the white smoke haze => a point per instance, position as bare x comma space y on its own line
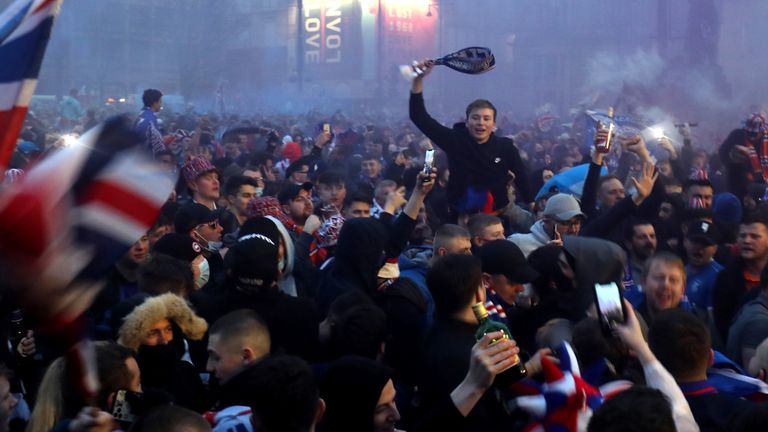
611, 72
643, 57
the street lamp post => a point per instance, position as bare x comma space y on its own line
379, 52
439, 24
440, 83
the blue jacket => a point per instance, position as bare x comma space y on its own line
147, 126
414, 264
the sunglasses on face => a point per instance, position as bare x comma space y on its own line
212, 225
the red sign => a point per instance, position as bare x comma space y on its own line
410, 32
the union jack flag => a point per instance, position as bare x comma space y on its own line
72, 216
25, 27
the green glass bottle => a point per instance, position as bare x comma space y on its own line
512, 374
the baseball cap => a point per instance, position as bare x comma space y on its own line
291, 191
505, 258
702, 231
179, 246
562, 207
191, 215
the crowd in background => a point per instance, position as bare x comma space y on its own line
309, 273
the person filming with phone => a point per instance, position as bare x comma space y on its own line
481, 163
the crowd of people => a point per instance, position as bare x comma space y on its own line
313, 273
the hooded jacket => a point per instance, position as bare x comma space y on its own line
414, 265
531, 241
169, 306
359, 256
596, 261
162, 367
286, 283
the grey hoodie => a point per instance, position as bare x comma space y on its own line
531, 241
597, 261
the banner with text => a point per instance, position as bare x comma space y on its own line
332, 39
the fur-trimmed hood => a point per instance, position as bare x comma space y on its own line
169, 306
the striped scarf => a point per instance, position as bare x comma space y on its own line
758, 161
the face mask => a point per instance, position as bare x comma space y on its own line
259, 191
205, 274
215, 246
157, 364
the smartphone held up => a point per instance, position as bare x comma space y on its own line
429, 163
610, 305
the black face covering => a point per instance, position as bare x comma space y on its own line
156, 364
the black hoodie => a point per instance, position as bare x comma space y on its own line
596, 261
481, 166
359, 256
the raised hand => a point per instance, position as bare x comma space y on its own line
644, 186
666, 144
635, 144
424, 187
422, 69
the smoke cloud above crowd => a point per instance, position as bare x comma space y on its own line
694, 60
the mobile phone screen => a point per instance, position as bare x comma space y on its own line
609, 303
429, 162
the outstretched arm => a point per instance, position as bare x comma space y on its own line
442, 136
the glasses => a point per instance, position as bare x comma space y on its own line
212, 225
570, 223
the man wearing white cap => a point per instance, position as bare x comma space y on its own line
562, 215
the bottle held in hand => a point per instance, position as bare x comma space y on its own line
512, 374
605, 146
17, 331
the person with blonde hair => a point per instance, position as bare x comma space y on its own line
50, 405
59, 400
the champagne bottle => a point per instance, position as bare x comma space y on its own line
605, 146
517, 370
